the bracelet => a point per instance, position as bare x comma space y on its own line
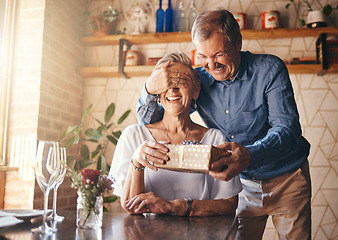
137, 168
189, 205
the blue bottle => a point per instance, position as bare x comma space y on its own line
169, 18
160, 18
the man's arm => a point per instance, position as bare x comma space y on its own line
148, 111
282, 139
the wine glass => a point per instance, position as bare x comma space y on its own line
61, 158
46, 170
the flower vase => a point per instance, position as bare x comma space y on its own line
89, 215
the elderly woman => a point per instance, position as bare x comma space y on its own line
145, 188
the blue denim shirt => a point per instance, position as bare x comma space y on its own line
256, 109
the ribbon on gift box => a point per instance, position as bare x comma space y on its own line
180, 156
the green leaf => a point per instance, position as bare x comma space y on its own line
85, 163
91, 140
76, 137
84, 151
302, 22
69, 143
103, 166
85, 112
109, 113
98, 163
93, 134
112, 139
117, 134
70, 129
97, 150
72, 165
123, 117
109, 199
101, 128
69, 159
105, 209
287, 6
327, 9
97, 120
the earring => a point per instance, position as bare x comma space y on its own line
195, 104
158, 101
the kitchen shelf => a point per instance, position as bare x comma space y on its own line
145, 71
130, 71
148, 38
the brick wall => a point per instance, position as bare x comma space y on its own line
47, 92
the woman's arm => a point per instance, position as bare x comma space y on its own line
150, 202
133, 185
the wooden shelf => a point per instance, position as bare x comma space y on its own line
145, 71
147, 38
134, 71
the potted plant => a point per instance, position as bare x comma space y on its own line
315, 18
78, 137
105, 23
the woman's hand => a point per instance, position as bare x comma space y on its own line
149, 203
150, 152
162, 78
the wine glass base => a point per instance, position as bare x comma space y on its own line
42, 230
58, 218
55, 218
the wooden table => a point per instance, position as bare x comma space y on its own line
119, 225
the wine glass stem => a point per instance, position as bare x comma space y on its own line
54, 200
45, 207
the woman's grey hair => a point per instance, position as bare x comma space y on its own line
220, 21
182, 58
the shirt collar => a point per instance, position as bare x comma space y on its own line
241, 74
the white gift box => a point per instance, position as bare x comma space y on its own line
191, 158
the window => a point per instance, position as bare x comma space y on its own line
6, 35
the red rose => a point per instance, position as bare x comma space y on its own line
90, 176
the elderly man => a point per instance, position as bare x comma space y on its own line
248, 97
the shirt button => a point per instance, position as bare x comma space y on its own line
226, 111
232, 136
227, 85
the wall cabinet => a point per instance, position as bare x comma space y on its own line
147, 38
